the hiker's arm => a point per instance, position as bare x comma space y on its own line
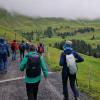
8, 53
44, 68
23, 63
61, 62
78, 57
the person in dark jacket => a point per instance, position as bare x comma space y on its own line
65, 70
22, 47
4, 53
27, 46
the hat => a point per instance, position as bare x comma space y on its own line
2, 40
67, 47
68, 42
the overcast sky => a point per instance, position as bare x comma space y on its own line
54, 8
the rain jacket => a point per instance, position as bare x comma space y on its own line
43, 67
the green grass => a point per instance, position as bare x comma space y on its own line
51, 40
52, 56
87, 70
87, 38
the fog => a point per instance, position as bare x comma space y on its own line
54, 8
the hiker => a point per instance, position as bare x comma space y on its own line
68, 60
4, 54
33, 62
14, 48
41, 49
27, 46
22, 47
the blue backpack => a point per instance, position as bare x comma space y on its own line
3, 50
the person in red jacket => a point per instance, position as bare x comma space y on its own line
14, 47
41, 49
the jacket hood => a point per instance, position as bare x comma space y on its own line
67, 49
2, 40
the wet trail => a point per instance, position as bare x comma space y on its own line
12, 86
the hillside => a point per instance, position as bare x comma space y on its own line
18, 23
11, 23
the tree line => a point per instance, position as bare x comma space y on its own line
50, 32
81, 47
79, 30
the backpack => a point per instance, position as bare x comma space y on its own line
33, 68
22, 47
71, 64
40, 49
13, 46
3, 51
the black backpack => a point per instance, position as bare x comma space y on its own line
22, 47
33, 66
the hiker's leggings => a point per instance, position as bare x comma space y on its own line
22, 54
72, 80
32, 90
3, 65
13, 55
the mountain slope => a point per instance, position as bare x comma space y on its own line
14, 22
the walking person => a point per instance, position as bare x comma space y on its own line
4, 54
41, 49
33, 62
14, 47
68, 60
22, 48
27, 46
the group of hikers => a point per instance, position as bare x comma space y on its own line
33, 62
12, 48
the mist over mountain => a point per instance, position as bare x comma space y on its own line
54, 8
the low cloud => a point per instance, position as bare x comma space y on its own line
54, 8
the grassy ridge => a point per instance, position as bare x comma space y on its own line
18, 23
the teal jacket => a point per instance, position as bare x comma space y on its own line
43, 67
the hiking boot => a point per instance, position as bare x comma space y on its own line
65, 98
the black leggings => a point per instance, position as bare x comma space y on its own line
72, 79
32, 90
22, 54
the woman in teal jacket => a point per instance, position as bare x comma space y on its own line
33, 82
